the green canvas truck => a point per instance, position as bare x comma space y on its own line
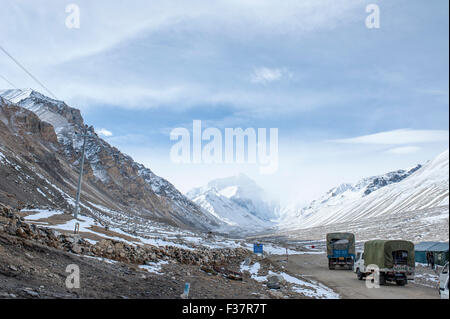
394, 260
340, 250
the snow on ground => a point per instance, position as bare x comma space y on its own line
151, 234
41, 192
161, 243
154, 267
253, 270
276, 250
311, 289
41, 214
106, 260
426, 276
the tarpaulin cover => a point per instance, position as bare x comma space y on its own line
333, 238
379, 252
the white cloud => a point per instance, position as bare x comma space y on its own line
404, 150
105, 132
398, 137
266, 75
106, 24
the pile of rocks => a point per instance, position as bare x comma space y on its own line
15, 225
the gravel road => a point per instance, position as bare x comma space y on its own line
345, 282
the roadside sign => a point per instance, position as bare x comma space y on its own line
185, 293
258, 248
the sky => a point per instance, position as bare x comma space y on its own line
348, 101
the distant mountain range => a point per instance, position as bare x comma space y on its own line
420, 187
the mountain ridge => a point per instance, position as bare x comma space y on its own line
120, 183
420, 187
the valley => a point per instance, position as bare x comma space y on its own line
137, 236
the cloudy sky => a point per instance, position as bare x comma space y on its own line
348, 101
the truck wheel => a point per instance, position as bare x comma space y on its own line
382, 279
402, 282
359, 274
331, 266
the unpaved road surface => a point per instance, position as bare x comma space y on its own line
345, 282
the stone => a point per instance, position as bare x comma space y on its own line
31, 292
13, 268
272, 285
76, 249
275, 278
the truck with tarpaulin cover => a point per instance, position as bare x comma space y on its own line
340, 250
387, 260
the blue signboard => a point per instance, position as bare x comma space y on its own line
258, 248
186, 289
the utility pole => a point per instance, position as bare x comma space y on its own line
80, 177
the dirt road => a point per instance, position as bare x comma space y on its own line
344, 282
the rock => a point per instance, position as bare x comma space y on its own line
276, 294
76, 249
272, 285
13, 268
275, 278
31, 292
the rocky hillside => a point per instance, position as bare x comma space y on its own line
40, 147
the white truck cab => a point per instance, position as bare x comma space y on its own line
443, 282
358, 266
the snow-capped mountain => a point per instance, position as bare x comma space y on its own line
398, 192
112, 179
237, 201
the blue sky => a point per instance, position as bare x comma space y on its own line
309, 68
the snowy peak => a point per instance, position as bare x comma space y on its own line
16, 95
237, 201
64, 118
234, 186
365, 186
378, 182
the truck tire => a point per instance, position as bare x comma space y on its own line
331, 266
382, 279
359, 274
402, 282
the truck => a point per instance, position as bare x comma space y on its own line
393, 260
340, 250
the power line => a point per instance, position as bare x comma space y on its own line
7, 81
27, 72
